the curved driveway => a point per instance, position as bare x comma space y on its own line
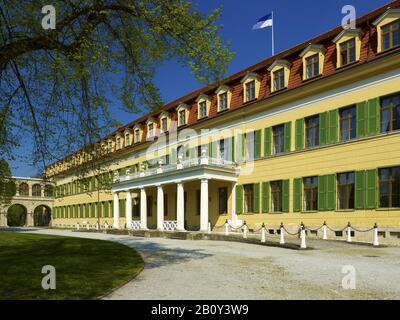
208, 270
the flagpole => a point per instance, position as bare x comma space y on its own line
273, 36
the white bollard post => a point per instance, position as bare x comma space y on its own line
349, 232
227, 228
376, 241
105, 225
87, 226
282, 235
209, 227
263, 237
77, 226
325, 232
303, 244
97, 226
245, 231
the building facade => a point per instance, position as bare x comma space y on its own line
309, 135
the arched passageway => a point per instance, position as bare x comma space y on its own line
16, 215
41, 216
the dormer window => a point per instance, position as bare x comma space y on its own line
182, 111
203, 106
348, 52
164, 121
390, 35
127, 138
223, 101
279, 79
387, 27
224, 94
110, 146
280, 72
251, 87
164, 124
250, 90
182, 118
348, 47
203, 109
313, 61
118, 143
137, 137
312, 66
150, 133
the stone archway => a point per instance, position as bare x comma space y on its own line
17, 215
41, 216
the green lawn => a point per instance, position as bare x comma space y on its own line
85, 269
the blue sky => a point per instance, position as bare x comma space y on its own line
295, 22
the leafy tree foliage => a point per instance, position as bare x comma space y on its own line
55, 85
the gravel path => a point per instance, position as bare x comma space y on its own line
208, 270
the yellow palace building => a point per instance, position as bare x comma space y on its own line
309, 135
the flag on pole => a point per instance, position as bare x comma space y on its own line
264, 22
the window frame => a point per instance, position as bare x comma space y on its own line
315, 132
313, 189
348, 119
281, 136
390, 33
248, 194
389, 108
203, 109
279, 78
310, 62
349, 187
183, 111
276, 188
389, 181
250, 87
348, 50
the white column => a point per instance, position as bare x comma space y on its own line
143, 209
180, 207
204, 205
116, 211
233, 205
160, 208
128, 210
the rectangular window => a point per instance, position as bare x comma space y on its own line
164, 125
222, 149
250, 145
182, 117
389, 187
127, 140
312, 131
279, 79
312, 66
118, 143
345, 190
348, 52
279, 139
276, 196
223, 101
137, 136
151, 130
250, 91
149, 200
390, 113
249, 198
347, 119
223, 200
203, 109
391, 35
310, 194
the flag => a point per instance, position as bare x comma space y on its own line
264, 22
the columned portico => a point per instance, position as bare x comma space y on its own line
180, 206
204, 205
160, 208
116, 211
128, 209
143, 209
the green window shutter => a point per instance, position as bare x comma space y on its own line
299, 134
257, 144
93, 213
267, 142
239, 147
122, 208
370, 180
297, 194
322, 184
359, 198
285, 189
323, 128
256, 198
105, 209
373, 117
331, 192
239, 199
288, 136
265, 197
111, 206
333, 126
361, 119
81, 211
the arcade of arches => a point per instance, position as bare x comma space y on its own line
31, 204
